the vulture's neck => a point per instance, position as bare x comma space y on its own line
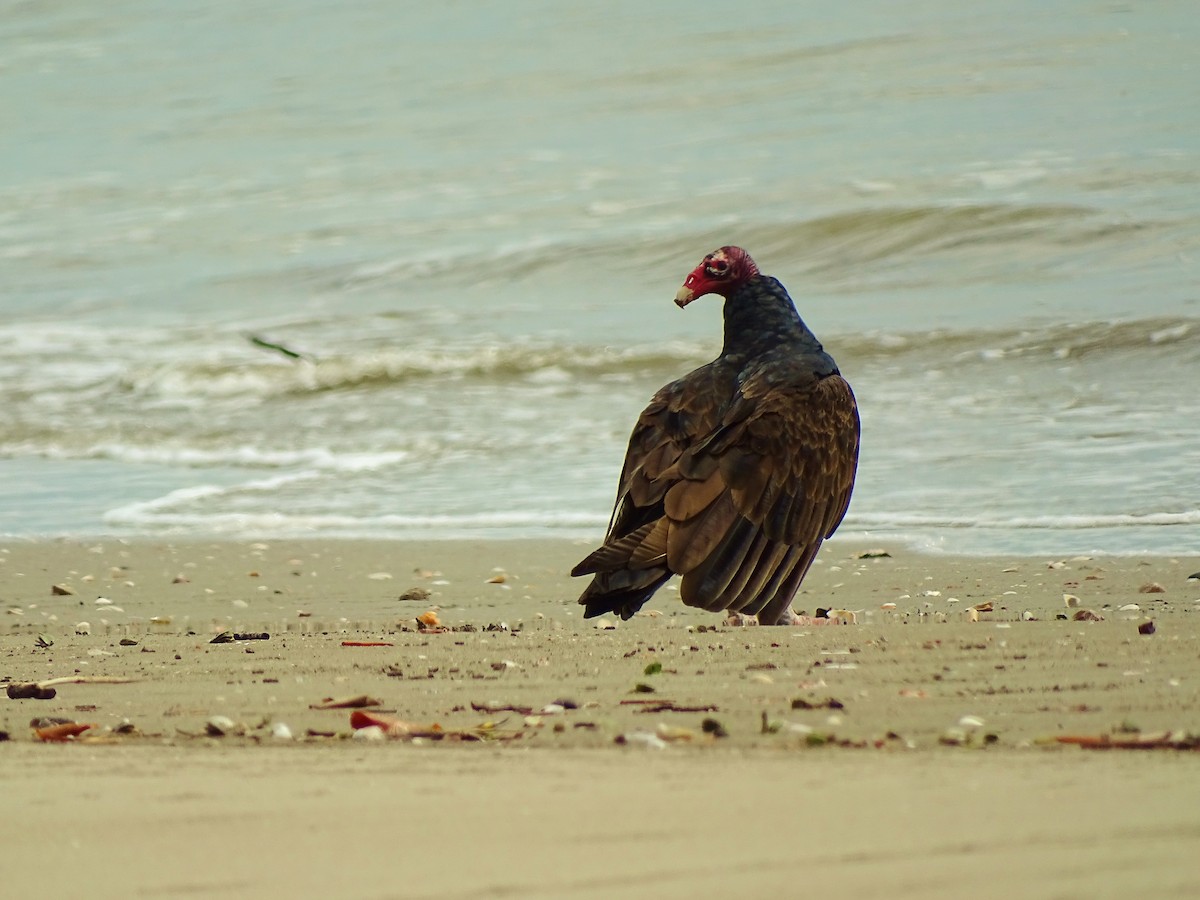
760, 316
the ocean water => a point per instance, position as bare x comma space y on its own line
308, 269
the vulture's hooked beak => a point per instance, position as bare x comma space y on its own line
685, 296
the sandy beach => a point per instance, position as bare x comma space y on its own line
528, 752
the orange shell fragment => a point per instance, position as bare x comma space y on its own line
392, 727
63, 732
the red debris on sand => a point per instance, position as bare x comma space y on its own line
65, 731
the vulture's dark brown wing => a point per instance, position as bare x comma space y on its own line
735, 497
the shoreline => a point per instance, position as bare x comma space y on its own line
920, 741
914, 544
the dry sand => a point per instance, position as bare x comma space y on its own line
910, 755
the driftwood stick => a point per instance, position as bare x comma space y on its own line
84, 679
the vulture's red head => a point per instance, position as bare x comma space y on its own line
721, 272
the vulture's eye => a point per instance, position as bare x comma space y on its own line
717, 268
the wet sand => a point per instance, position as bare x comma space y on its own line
912, 754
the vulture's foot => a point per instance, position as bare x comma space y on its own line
824, 617
740, 620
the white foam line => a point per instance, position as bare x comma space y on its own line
1073, 522
251, 457
156, 513
151, 510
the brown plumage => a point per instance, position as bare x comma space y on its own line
738, 471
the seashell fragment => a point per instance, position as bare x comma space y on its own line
1086, 615
83, 628
673, 733
642, 739
220, 726
1146, 627
61, 590
984, 607
65, 731
1152, 587
1070, 600
1130, 607
416, 595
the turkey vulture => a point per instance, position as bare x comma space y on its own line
737, 472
